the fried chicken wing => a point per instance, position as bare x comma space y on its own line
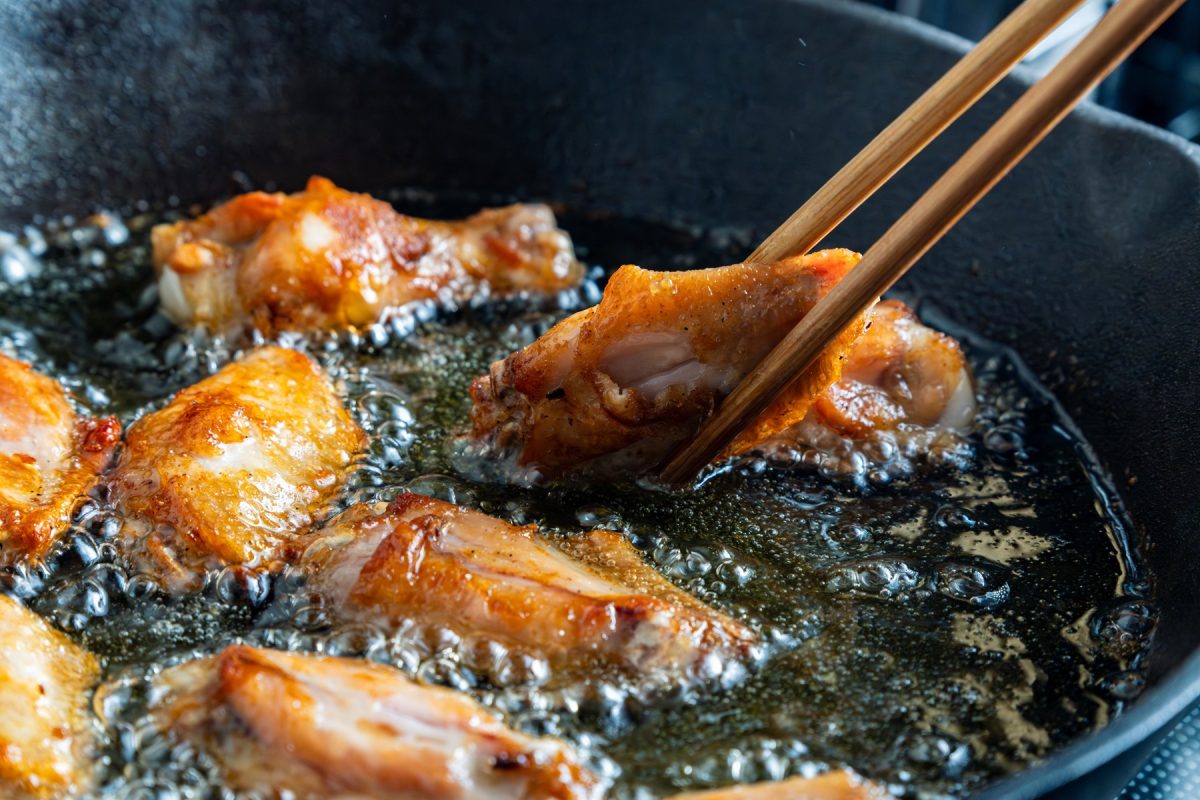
589, 598
234, 467
321, 727
899, 373
49, 458
839, 785
617, 387
45, 734
328, 258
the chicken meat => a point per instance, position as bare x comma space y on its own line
575, 600
50, 457
46, 735
899, 374
234, 468
327, 258
614, 389
837, 785
315, 727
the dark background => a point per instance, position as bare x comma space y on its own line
1160, 83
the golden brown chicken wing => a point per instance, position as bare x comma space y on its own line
838, 785
328, 258
322, 727
234, 467
899, 373
617, 387
49, 458
589, 598
45, 731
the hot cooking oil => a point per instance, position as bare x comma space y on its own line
934, 623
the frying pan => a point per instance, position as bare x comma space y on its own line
1086, 259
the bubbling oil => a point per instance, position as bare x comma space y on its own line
935, 624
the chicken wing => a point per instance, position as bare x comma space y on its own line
328, 258
321, 727
899, 373
615, 388
234, 467
839, 785
588, 598
45, 733
49, 458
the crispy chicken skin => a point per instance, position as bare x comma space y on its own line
49, 458
899, 373
617, 387
322, 727
234, 467
327, 258
586, 599
838, 785
45, 682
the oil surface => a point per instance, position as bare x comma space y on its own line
935, 626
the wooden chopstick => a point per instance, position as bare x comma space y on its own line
930, 114
983, 165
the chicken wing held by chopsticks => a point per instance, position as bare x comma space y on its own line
838, 785
617, 387
327, 258
49, 458
45, 680
588, 598
320, 727
234, 467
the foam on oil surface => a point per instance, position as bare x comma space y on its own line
933, 625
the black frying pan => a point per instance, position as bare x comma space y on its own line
1087, 259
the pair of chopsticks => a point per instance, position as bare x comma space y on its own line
1025, 124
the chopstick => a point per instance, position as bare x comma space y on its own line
1033, 116
930, 114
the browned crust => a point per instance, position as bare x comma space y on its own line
377, 259
836, 785
258, 711
186, 517
409, 576
31, 400
888, 351
37, 769
556, 407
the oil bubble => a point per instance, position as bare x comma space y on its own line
85, 549
110, 576
442, 487
446, 671
932, 752
353, 641
601, 517
17, 264
142, 587
312, 618
976, 585
848, 535
377, 407
1006, 442
238, 585
1123, 685
79, 601
1125, 627
883, 577
953, 518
